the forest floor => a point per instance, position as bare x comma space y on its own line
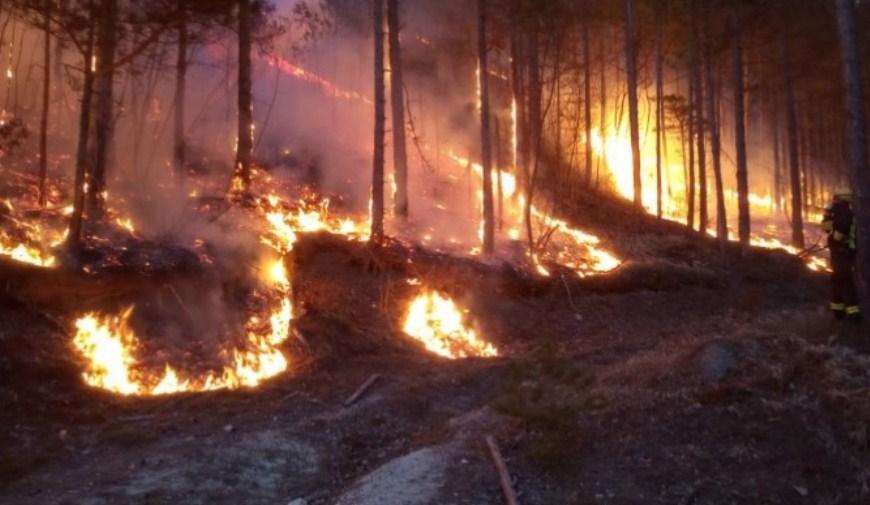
685, 377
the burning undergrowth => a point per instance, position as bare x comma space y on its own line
207, 302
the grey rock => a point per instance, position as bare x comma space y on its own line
716, 359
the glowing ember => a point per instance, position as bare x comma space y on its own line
437, 323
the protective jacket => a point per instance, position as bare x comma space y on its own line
839, 224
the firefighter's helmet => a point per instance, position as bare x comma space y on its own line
843, 193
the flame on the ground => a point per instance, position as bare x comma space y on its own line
109, 345
574, 248
25, 254
437, 323
615, 150
27, 246
286, 220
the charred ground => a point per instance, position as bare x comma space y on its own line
686, 376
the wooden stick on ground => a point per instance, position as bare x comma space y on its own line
507, 487
361, 391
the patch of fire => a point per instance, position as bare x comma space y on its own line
111, 348
435, 321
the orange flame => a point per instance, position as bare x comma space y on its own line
437, 323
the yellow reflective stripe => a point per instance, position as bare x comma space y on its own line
838, 306
828, 226
854, 309
838, 236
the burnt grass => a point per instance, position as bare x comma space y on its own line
688, 376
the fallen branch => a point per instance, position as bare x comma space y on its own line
181, 303
507, 487
362, 389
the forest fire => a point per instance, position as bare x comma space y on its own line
109, 345
390, 251
571, 247
436, 322
27, 241
309, 214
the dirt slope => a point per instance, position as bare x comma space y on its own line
685, 377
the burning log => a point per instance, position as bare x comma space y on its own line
507, 487
361, 390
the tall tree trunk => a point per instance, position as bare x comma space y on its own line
81, 183
602, 114
377, 204
498, 168
46, 102
521, 149
179, 150
587, 98
777, 159
797, 218
535, 134
557, 134
690, 113
699, 122
397, 106
857, 134
59, 47
486, 146
245, 144
716, 149
631, 81
659, 111
104, 91
743, 216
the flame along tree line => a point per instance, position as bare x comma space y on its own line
741, 74
726, 62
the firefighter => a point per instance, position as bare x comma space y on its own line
839, 224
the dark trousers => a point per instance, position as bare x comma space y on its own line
844, 295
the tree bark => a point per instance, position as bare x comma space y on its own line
104, 91
797, 218
587, 98
690, 112
777, 159
857, 134
535, 134
521, 149
602, 114
699, 123
659, 112
179, 150
80, 184
715, 142
498, 168
631, 77
377, 204
245, 145
744, 222
397, 102
486, 146
46, 103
